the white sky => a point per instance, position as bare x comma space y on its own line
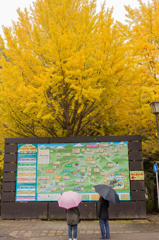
8, 9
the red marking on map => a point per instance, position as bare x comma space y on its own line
48, 171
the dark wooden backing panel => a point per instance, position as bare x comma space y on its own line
87, 210
135, 165
118, 138
8, 177
33, 210
27, 140
10, 148
127, 210
71, 139
137, 185
135, 155
8, 197
8, 187
135, 146
74, 139
138, 195
10, 157
55, 212
10, 167
124, 210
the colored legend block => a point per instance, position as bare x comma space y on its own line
94, 196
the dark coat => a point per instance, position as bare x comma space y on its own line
102, 208
73, 215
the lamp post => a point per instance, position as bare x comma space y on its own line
155, 110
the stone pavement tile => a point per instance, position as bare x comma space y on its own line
7, 232
89, 232
51, 232
82, 232
21, 233
59, 232
138, 236
35, 234
13, 233
43, 233
28, 234
34, 228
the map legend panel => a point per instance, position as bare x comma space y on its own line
26, 173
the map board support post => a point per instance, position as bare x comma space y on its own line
155, 110
157, 188
157, 129
155, 168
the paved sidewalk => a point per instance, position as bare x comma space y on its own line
87, 230
153, 218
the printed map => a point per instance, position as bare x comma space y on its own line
80, 166
45, 171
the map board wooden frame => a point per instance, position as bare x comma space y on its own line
136, 208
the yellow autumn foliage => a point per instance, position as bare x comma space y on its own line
142, 33
67, 67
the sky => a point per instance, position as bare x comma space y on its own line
8, 9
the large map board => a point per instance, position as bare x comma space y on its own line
45, 171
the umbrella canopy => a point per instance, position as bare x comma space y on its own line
69, 200
107, 193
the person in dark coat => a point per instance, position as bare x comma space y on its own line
103, 215
73, 215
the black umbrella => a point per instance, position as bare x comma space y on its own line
107, 193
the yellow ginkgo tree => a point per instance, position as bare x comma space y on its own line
66, 70
143, 35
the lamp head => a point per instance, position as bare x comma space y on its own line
155, 107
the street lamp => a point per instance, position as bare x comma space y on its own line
155, 110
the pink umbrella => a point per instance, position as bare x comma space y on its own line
69, 200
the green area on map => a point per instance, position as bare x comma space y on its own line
80, 168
